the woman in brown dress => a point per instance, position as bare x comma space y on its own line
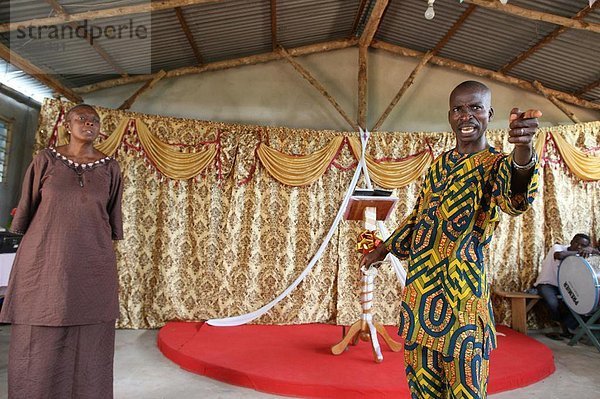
62, 294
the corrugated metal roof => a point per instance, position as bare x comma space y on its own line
574, 51
490, 39
304, 22
231, 29
20, 81
404, 23
563, 8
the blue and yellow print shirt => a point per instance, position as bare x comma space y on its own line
447, 303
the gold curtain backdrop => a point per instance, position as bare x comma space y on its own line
220, 218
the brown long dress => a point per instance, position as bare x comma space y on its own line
62, 293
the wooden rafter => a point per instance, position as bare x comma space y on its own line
39, 74
373, 22
188, 34
407, 83
424, 60
315, 83
536, 15
589, 87
359, 13
274, 24
60, 10
453, 29
105, 13
363, 48
547, 39
544, 92
486, 73
226, 64
362, 86
147, 86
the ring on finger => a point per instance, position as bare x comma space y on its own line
522, 131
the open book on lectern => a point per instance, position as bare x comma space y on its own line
362, 198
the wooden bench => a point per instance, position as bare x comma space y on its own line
521, 303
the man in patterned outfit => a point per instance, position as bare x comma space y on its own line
446, 316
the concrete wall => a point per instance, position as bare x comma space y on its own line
275, 94
24, 123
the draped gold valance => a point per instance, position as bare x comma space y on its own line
176, 162
298, 170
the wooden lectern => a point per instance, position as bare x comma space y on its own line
369, 208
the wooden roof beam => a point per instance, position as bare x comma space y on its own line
547, 39
274, 43
362, 86
39, 74
220, 65
315, 83
188, 34
454, 28
361, 9
589, 87
63, 13
536, 15
544, 92
485, 73
373, 23
105, 13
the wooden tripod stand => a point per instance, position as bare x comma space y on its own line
370, 209
365, 328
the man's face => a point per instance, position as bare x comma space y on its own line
469, 114
577, 243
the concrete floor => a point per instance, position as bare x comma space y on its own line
141, 372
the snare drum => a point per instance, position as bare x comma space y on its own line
579, 283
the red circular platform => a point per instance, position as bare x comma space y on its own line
296, 360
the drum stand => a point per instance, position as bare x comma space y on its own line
587, 328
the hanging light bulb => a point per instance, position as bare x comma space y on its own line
429, 13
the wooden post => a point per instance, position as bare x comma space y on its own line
147, 86
373, 23
544, 92
306, 75
362, 86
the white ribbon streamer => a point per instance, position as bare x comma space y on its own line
400, 272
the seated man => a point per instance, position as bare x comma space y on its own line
547, 281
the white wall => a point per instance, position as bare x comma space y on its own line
275, 94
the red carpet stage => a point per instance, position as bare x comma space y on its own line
296, 360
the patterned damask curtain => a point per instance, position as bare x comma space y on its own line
230, 239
